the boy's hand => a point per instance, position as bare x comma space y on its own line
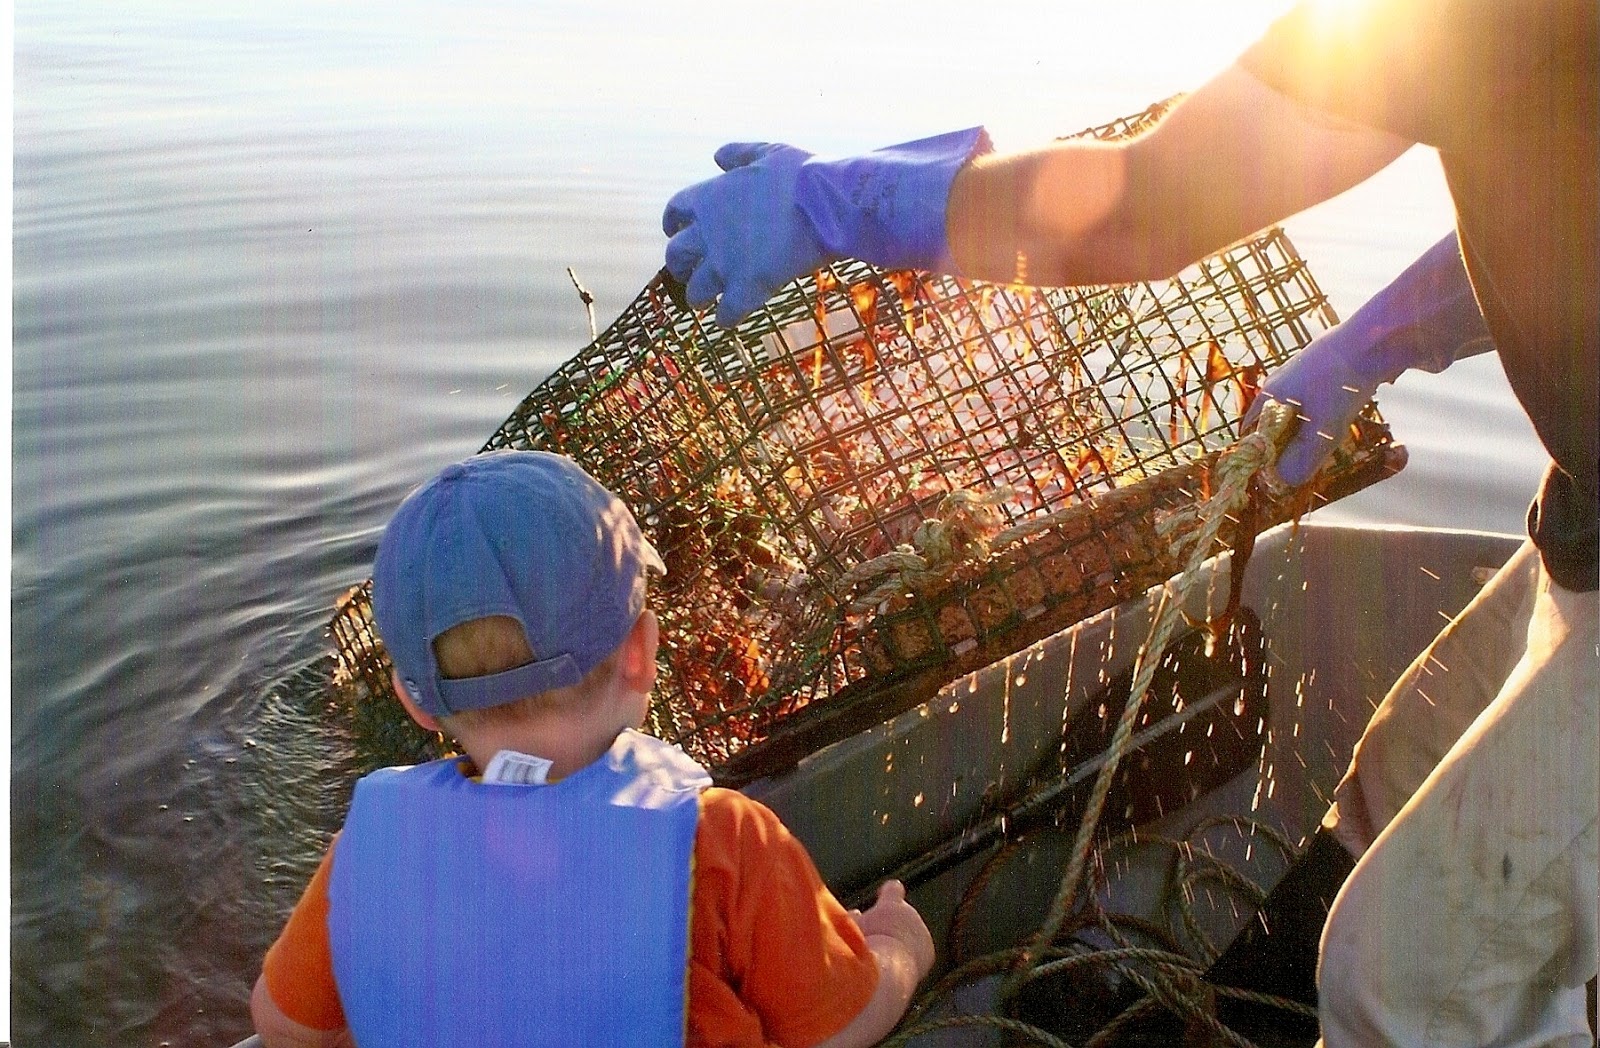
893, 916
903, 950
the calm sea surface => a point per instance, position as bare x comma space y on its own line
275, 263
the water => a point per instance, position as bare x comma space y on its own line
273, 264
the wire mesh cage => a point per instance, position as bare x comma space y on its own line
885, 477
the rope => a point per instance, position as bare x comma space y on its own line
1172, 980
961, 531
966, 527
1231, 482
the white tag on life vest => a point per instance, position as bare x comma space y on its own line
510, 768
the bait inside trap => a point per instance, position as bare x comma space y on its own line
884, 479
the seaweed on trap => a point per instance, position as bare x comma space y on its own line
883, 479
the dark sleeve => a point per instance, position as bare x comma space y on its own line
1424, 70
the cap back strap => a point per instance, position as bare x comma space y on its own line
497, 689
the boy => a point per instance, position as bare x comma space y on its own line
571, 881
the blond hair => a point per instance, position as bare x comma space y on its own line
494, 644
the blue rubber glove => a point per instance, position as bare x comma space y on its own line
778, 212
1426, 318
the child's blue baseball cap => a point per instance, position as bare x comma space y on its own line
524, 534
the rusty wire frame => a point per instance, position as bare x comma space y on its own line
770, 463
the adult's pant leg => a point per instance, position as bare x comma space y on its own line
1434, 702
1471, 919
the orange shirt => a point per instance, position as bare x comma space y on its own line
773, 957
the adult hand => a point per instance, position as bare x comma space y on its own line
778, 212
1426, 318
740, 235
1325, 393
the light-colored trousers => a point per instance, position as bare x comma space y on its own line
1470, 803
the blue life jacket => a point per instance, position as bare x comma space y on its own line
502, 916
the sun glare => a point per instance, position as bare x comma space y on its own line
1331, 17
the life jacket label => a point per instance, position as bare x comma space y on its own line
511, 768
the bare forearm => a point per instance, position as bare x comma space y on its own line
277, 1030
1232, 158
1064, 214
1097, 213
898, 975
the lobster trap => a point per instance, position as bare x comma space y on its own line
884, 479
